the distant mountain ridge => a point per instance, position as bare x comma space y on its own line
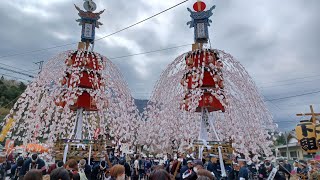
141, 104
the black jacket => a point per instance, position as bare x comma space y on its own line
5, 170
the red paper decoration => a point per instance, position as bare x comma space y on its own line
204, 72
85, 67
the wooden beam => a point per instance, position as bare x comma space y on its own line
313, 115
176, 170
309, 114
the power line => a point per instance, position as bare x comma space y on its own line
289, 84
143, 20
14, 67
298, 95
15, 77
17, 72
34, 51
63, 45
279, 108
293, 79
148, 52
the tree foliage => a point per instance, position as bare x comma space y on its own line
10, 90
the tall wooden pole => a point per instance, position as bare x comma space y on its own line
313, 115
176, 170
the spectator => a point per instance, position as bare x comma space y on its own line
82, 170
72, 167
205, 174
33, 163
33, 174
160, 174
117, 172
60, 174
99, 171
288, 167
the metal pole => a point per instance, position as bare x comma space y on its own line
79, 124
287, 135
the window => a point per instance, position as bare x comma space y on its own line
284, 154
293, 154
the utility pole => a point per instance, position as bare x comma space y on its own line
40, 63
286, 134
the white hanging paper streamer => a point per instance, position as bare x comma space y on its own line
273, 173
65, 153
90, 151
223, 169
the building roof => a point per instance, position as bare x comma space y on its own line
285, 146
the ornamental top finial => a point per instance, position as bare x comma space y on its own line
200, 21
89, 21
89, 5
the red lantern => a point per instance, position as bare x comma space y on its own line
199, 6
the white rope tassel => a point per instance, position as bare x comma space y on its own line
89, 159
65, 153
223, 170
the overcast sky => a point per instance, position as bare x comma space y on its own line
276, 41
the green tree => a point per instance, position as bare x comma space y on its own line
281, 140
22, 86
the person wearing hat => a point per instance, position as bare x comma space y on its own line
303, 171
197, 165
214, 166
99, 171
233, 174
5, 167
190, 173
187, 169
16, 168
263, 169
282, 169
33, 163
243, 172
267, 171
296, 168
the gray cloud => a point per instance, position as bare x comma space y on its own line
274, 40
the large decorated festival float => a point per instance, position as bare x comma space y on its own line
79, 105
206, 103
308, 132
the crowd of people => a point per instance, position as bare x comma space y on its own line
140, 167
